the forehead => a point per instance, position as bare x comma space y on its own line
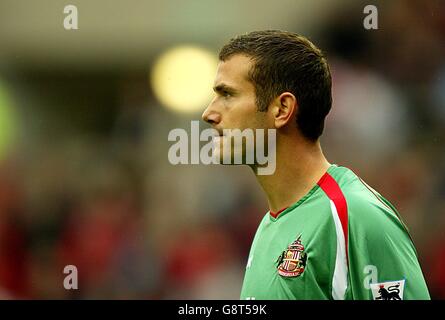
234, 71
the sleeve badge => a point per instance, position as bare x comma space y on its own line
390, 290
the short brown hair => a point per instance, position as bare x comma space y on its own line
287, 62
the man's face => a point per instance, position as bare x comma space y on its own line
234, 105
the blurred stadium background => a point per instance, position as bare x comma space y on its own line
84, 174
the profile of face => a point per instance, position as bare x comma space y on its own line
234, 107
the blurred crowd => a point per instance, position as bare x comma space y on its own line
88, 182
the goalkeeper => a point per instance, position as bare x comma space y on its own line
328, 235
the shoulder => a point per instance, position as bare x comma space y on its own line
367, 209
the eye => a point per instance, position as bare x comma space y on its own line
226, 94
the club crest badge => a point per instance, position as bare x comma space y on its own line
391, 290
292, 262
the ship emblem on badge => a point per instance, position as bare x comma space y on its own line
291, 262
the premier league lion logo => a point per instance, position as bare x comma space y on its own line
390, 290
391, 294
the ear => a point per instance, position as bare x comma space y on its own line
283, 109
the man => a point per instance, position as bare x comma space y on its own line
328, 235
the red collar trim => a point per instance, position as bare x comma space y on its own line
276, 214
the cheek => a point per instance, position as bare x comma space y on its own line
245, 113
260, 120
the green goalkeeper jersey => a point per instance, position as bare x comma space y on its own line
342, 240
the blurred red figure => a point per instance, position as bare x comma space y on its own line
14, 277
92, 237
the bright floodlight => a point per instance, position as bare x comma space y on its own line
182, 78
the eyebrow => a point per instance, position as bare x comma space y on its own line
223, 87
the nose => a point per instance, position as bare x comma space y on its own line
210, 115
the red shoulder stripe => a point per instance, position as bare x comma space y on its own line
333, 191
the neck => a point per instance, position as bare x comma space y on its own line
299, 166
